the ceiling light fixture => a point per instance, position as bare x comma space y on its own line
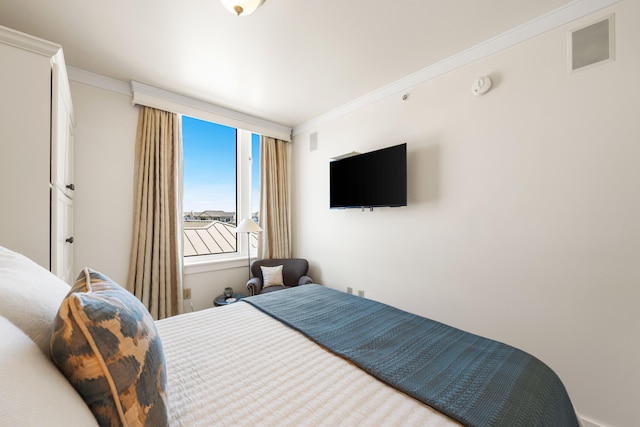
242, 7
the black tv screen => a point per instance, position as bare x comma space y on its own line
374, 179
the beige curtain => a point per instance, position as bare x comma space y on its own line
274, 199
155, 271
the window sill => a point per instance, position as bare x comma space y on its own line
195, 265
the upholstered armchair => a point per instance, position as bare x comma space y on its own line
275, 274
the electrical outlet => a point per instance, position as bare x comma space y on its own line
360, 293
349, 290
186, 293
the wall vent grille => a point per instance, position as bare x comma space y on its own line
591, 44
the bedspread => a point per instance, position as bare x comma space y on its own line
236, 366
477, 381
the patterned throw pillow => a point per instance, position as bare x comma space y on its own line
272, 276
106, 344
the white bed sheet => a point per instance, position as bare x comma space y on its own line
236, 366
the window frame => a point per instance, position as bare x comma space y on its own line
215, 262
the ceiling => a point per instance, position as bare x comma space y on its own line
289, 62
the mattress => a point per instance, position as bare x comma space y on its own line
236, 366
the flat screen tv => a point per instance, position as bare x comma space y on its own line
374, 179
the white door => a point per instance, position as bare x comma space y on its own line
62, 239
61, 134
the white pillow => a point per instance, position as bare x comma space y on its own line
34, 392
30, 296
272, 276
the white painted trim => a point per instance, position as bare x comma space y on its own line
27, 42
159, 98
197, 266
42, 47
99, 81
563, 15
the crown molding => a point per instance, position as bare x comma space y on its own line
96, 80
556, 18
143, 94
28, 42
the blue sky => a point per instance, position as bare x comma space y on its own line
209, 152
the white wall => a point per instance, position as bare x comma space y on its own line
106, 125
523, 222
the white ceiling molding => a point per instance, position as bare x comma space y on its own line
159, 98
28, 43
168, 101
99, 81
563, 15
36, 45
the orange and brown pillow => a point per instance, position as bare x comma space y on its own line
106, 344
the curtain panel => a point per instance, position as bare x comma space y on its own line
274, 199
155, 270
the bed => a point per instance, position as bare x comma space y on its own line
306, 356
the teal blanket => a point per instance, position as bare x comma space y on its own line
474, 380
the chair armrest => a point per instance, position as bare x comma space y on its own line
305, 280
254, 286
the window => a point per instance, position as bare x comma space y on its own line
221, 186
